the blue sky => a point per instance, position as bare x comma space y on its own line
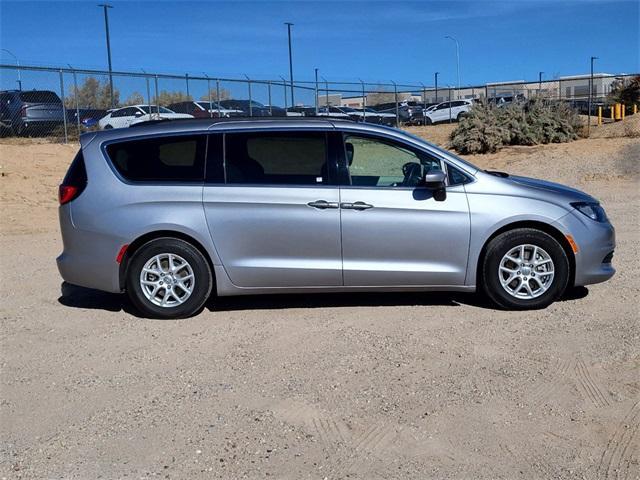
372, 40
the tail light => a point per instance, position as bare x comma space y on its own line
74, 181
23, 111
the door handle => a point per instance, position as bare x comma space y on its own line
356, 206
323, 204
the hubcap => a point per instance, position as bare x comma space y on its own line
526, 271
167, 280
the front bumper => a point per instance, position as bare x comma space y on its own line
596, 243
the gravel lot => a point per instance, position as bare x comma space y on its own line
326, 386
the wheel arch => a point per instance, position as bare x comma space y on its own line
147, 237
537, 225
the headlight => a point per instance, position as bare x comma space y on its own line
592, 210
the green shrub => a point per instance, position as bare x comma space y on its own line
487, 128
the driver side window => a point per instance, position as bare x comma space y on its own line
375, 162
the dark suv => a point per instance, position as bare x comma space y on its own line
30, 112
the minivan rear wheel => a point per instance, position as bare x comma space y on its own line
524, 269
168, 278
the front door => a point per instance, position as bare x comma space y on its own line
273, 210
395, 233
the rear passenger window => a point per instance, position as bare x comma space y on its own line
276, 159
167, 159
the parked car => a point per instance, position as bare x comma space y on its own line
89, 117
30, 112
127, 116
333, 112
252, 108
409, 114
170, 212
204, 109
383, 118
447, 111
301, 111
357, 114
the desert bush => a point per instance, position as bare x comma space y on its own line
488, 128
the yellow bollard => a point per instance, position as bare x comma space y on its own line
611, 108
622, 108
635, 108
618, 115
599, 116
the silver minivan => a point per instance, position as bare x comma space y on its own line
171, 211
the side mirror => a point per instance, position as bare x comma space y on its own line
138, 114
434, 179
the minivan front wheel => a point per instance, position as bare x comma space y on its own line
168, 278
525, 269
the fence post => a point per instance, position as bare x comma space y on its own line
218, 94
75, 94
284, 84
249, 88
209, 95
146, 77
64, 109
364, 103
186, 78
157, 98
449, 103
269, 94
395, 96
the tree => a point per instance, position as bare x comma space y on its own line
626, 90
167, 98
135, 98
92, 94
224, 95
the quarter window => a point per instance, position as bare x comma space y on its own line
167, 159
379, 163
276, 159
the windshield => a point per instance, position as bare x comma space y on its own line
154, 109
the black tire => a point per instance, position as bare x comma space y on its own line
461, 115
500, 246
108, 127
427, 121
203, 278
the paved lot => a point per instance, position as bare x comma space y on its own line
328, 386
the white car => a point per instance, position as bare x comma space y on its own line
445, 111
127, 116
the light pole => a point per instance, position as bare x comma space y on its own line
18, 64
436, 76
590, 95
289, 25
105, 7
457, 62
540, 82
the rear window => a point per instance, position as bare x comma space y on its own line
167, 159
77, 173
39, 97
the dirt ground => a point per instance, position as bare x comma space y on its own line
322, 387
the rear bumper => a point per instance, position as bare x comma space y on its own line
88, 259
596, 243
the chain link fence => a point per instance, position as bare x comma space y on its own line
62, 103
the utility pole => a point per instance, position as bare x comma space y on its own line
105, 7
289, 25
436, 75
